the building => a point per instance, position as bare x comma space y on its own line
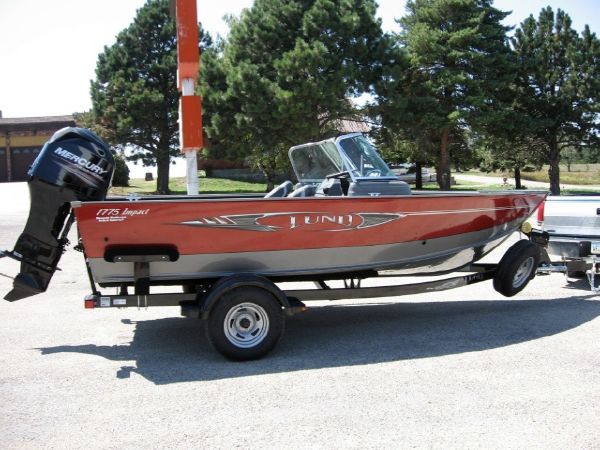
21, 140
353, 126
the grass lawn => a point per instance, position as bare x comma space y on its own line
468, 186
463, 185
178, 186
473, 186
581, 174
225, 186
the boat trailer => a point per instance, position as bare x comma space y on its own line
245, 313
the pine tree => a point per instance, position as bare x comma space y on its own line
558, 85
458, 66
286, 74
134, 96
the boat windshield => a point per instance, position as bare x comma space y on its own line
361, 158
351, 153
313, 162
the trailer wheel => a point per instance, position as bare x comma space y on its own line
516, 268
245, 323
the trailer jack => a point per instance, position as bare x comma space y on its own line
592, 273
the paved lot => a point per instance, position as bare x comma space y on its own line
464, 368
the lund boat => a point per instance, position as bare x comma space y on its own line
349, 217
360, 218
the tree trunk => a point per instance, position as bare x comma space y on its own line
518, 178
162, 177
418, 176
443, 169
554, 170
270, 183
269, 176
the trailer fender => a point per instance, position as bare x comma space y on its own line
229, 283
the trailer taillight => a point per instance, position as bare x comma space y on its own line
540, 213
89, 303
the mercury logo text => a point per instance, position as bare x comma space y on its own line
80, 161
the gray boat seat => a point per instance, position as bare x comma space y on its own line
376, 188
282, 190
331, 187
303, 191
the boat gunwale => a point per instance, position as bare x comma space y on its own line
250, 197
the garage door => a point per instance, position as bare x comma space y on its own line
21, 159
3, 171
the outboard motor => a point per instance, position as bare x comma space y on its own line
74, 164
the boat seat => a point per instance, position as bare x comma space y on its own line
375, 188
331, 187
282, 190
303, 191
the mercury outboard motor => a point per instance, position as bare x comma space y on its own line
74, 164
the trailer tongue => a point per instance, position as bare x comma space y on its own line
73, 165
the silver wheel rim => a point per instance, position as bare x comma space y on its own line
523, 272
246, 325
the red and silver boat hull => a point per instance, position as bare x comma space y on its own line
280, 237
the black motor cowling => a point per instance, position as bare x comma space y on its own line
74, 164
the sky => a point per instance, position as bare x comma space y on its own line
49, 48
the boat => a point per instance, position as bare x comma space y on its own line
349, 214
348, 217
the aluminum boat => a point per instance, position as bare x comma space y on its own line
347, 214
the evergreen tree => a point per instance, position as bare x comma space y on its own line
134, 96
86, 119
459, 66
558, 85
286, 73
508, 153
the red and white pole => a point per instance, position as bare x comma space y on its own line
190, 105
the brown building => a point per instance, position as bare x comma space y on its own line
21, 140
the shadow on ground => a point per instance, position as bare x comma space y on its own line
175, 350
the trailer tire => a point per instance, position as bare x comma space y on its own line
516, 268
245, 323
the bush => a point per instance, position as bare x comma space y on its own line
121, 176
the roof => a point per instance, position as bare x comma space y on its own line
352, 126
36, 123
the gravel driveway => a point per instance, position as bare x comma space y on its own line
466, 368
